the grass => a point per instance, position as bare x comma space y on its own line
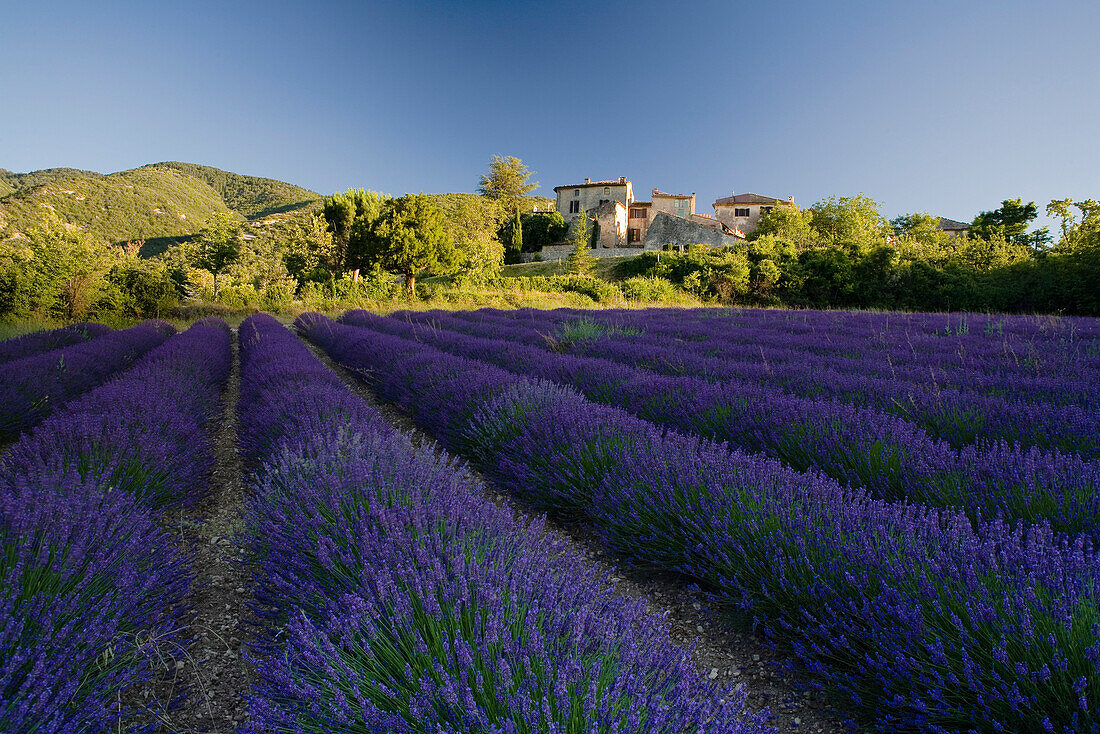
606, 268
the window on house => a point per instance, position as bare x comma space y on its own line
741, 212
574, 207
634, 235
637, 213
764, 210
576, 192
607, 190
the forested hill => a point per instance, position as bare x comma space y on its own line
252, 196
155, 202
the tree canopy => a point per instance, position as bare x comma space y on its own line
508, 180
408, 236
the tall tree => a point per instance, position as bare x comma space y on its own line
1010, 221
344, 213
218, 245
408, 236
508, 180
581, 261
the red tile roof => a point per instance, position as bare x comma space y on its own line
749, 199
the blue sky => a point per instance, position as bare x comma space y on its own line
945, 107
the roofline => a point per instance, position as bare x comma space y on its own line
593, 184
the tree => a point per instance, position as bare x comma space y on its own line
507, 180
408, 236
64, 269
852, 222
472, 224
218, 245
1010, 221
581, 261
355, 208
543, 228
517, 233
310, 246
789, 224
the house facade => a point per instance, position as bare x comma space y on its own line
741, 213
623, 223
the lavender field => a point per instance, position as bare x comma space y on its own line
427, 518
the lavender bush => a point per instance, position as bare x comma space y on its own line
923, 619
93, 587
858, 446
403, 601
31, 388
28, 345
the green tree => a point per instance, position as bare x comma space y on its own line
472, 226
408, 236
543, 228
1010, 221
789, 224
310, 246
581, 261
63, 271
368, 207
854, 223
218, 245
507, 180
517, 233
339, 213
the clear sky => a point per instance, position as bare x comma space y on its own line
946, 107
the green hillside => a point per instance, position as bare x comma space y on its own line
146, 203
252, 196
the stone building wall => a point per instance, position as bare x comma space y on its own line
590, 195
666, 229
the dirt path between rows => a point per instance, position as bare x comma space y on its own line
721, 651
212, 674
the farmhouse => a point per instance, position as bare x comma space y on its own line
741, 213
622, 223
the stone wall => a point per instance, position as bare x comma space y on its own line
666, 229
553, 253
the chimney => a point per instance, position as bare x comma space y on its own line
622, 179
790, 199
588, 180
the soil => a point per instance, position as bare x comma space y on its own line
206, 683
720, 649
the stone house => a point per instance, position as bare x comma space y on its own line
954, 228
741, 213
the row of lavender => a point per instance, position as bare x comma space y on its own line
92, 587
1053, 411
859, 447
398, 599
891, 346
923, 620
38, 342
1016, 346
35, 385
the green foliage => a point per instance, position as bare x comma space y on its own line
507, 180
541, 229
252, 196
408, 236
787, 223
54, 272
308, 247
143, 287
581, 261
472, 223
852, 222
218, 246
1010, 222
146, 203
598, 290
650, 290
